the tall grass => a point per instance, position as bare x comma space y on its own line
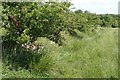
93, 55
0, 63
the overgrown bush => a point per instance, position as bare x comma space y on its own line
32, 30
24, 23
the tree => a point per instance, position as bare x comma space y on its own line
27, 21
78, 11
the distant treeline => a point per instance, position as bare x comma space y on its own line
101, 20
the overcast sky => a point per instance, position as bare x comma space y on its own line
97, 6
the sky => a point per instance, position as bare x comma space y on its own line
97, 6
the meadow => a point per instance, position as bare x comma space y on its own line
93, 55
49, 40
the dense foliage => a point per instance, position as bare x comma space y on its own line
25, 22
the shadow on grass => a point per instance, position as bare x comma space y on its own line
17, 56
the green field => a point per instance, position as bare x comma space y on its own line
93, 55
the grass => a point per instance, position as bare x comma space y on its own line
93, 56
0, 70
89, 56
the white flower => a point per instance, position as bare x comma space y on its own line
51, 42
34, 47
27, 46
22, 45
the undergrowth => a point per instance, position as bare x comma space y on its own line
93, 55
